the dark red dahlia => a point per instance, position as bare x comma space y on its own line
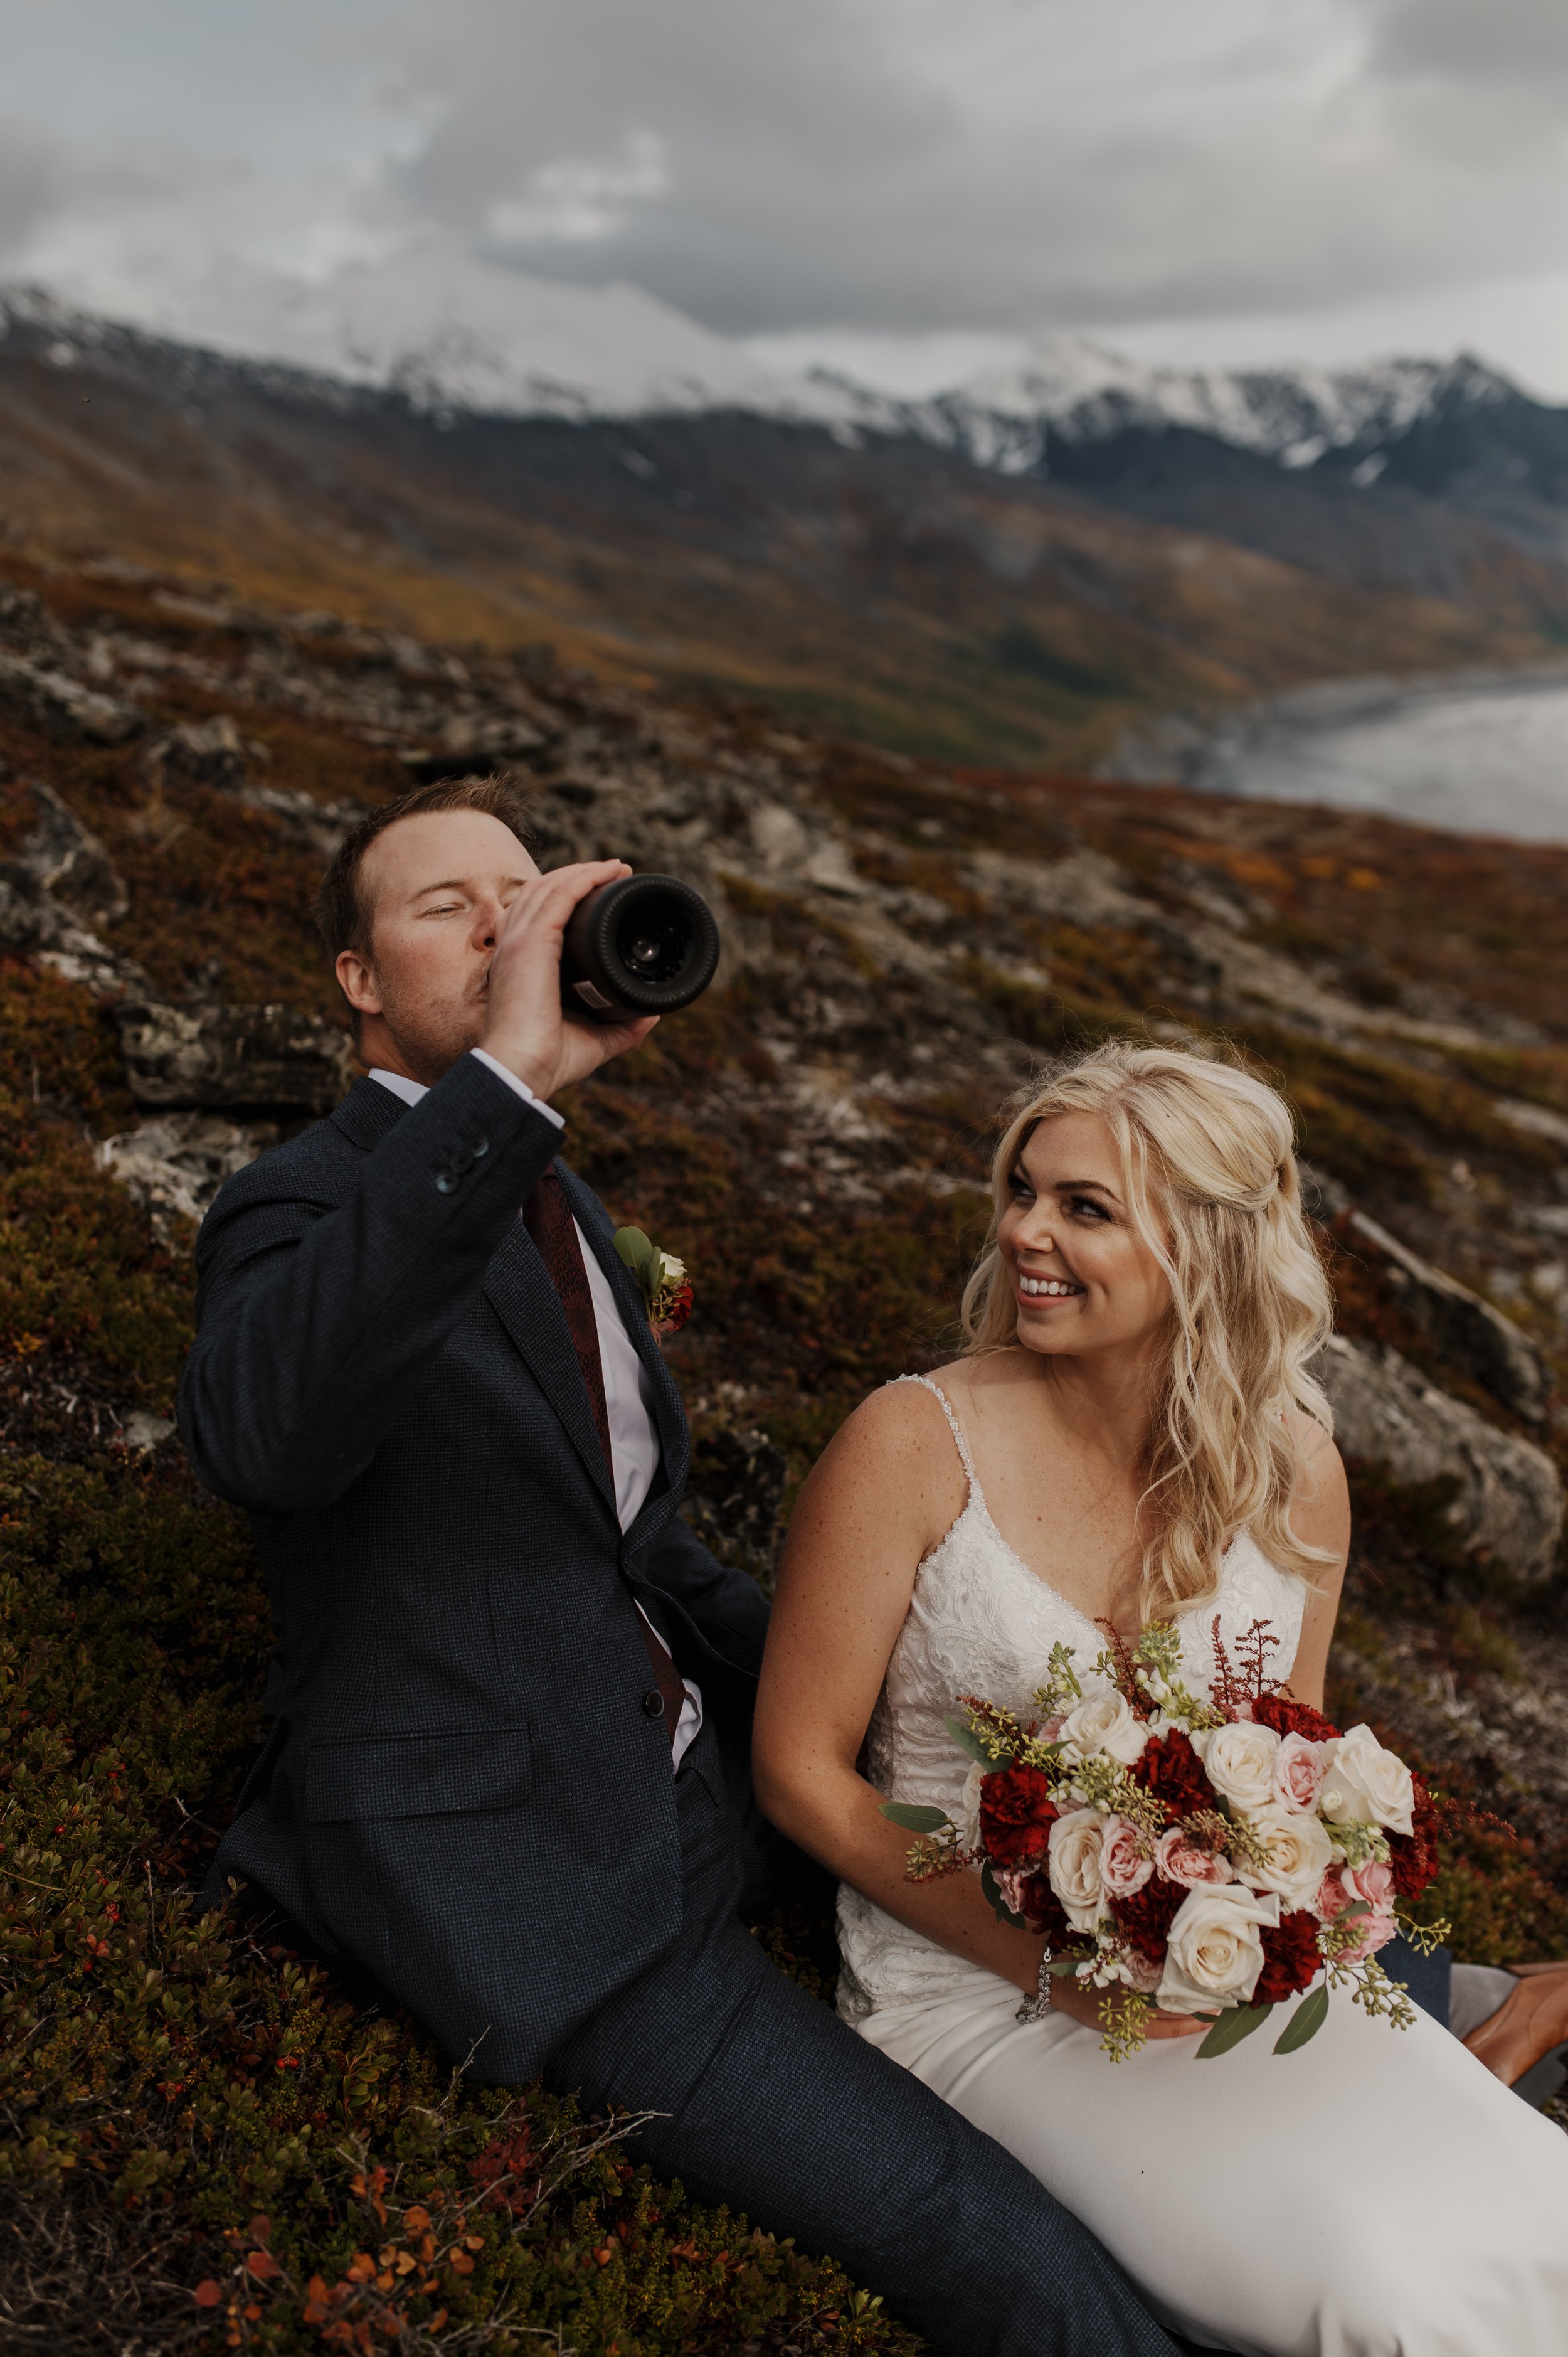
1414, 1856
1016, 1814
1173, 1772
1288, 1717
1291, 1958
1146, 1918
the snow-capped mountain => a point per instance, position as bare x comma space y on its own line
452, 333
1080, 392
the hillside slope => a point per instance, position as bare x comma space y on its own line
875, 581
902, 943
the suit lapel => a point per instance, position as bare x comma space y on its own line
669, 1417
519, 1290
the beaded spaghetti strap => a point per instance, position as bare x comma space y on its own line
953, 1425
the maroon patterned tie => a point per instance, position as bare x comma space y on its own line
547, 1215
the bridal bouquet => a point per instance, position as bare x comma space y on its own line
1214, 1857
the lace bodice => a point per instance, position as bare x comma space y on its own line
981, 1622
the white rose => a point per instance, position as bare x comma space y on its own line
1300, 1853
966, 1816
1102, 1722
1215, 1951
1074, 1867
1239, 1762
1367, 1785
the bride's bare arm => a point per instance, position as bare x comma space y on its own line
1320, 1514
877, 1502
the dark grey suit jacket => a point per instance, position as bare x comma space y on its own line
463, 1791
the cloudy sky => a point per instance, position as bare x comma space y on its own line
908, 185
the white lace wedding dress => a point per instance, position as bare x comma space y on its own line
1377, 2194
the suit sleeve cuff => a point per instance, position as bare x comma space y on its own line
493, 1064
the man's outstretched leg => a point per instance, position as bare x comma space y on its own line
774, 2106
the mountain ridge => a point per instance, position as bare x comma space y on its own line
879, 577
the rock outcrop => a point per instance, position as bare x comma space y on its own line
208, 1056
1458, 1324
52, 701
1509, 1501
34, 924
212, 753
175, 1165
71, 863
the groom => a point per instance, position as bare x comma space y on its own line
510, 1690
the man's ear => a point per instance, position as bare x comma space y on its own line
356, 982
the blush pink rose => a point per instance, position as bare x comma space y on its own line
1123, 1867
1011, 1883
1371, 1886
1299, 1770
1180, 1861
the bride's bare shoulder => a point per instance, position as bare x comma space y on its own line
895, 1446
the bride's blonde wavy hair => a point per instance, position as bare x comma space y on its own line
1210, 1182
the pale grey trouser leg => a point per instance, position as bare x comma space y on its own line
1477, 1993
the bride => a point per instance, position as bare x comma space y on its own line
1133, 1432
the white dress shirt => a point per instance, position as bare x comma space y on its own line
629, 1387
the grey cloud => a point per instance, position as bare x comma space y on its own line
1511, 41
884, 164
34, 185
810, 172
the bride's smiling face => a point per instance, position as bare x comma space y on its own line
1083, 1278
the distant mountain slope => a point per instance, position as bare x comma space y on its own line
451, 333
1337, 469
872, 574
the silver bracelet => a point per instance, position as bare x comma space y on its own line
1036, 2008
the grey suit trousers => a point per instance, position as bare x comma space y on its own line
766, 2102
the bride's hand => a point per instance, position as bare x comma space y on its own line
1082, 2004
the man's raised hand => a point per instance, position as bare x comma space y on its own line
526, 1029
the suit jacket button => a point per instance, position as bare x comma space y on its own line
653, 1703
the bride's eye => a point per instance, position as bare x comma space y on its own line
1019, 1188
1087, 1204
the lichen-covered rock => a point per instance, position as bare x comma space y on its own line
34, 924
51, 700
1458, 1323
70, 862
208, 1055
176, 1164
1509, 1497
211, 752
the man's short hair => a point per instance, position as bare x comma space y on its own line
342, 919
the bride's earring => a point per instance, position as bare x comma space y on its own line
1036, 2008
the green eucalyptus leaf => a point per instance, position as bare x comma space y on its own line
1305, 2023
633, 1247
1239, 2022
967, 1741
915, 1817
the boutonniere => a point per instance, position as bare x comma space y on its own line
661, 1280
